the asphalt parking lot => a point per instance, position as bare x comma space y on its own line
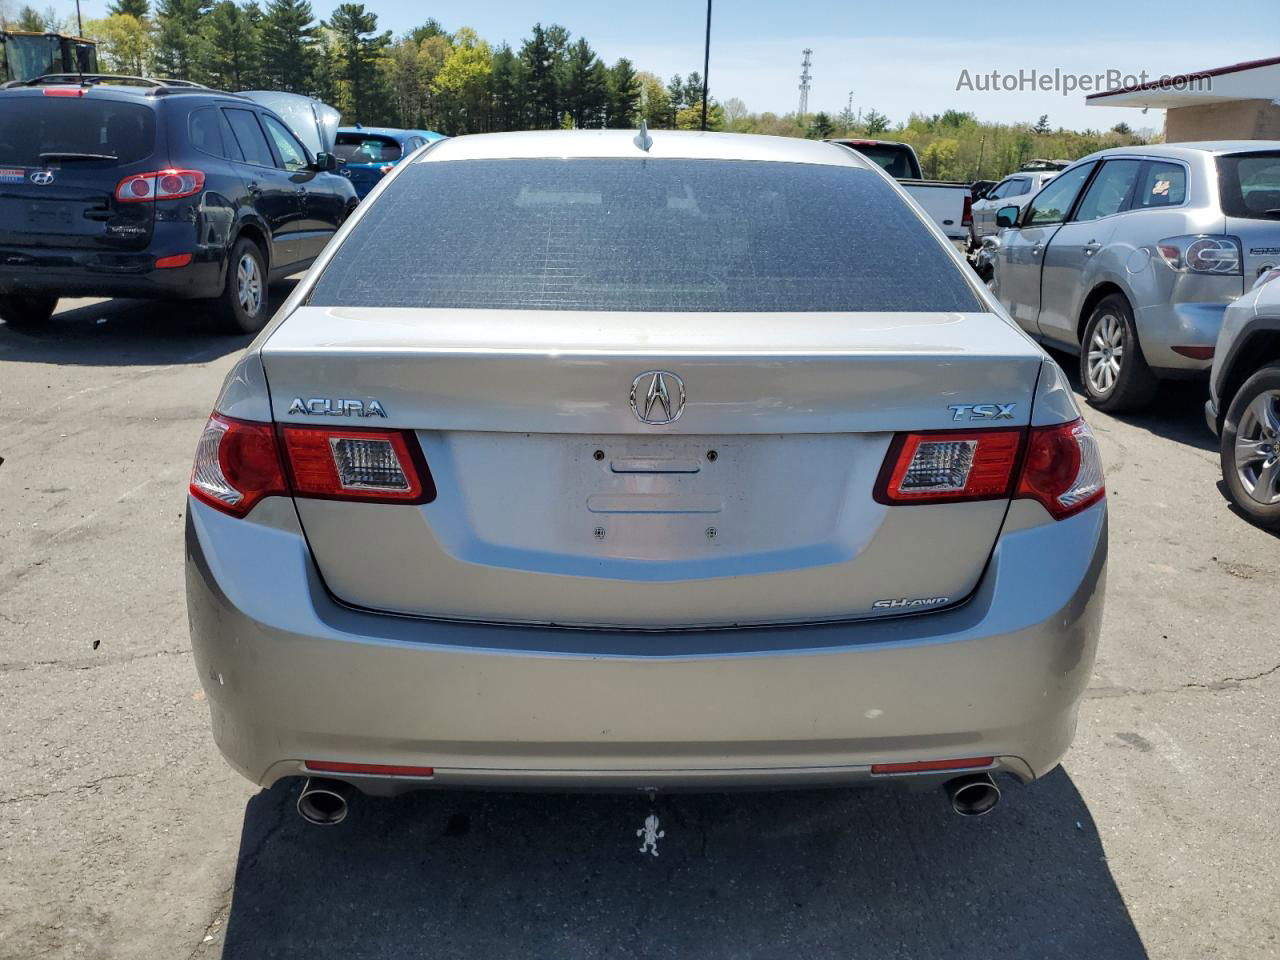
124, 834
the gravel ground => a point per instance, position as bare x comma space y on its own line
124, 835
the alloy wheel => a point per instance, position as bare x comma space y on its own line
1258, 448
1106, 353
249, 285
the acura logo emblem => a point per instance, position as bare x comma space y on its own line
657, 397
42, 177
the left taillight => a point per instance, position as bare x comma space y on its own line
1059, 466
966, 217
159, 185
239, 462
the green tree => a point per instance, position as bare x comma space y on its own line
655, 103
180, 49
124, 43
690, 118
539, 63
585, 86
29, 18
289, 53
675, 94
1123, 129
622, 101
1042, 125
462, 85
506, 90
821, 127
130, 8
939, 160
231, 35
431, 28
356, 51
875, 122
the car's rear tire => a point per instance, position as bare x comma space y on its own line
1113, 371
242, 308
27, 311
1250, 448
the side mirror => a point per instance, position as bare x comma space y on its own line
326, 162
1007, 217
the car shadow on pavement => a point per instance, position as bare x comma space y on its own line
109, 333
824, 873
1176, 413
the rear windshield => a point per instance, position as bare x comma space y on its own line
38, 130
357, 148
896, 160
1249, 185
642, 234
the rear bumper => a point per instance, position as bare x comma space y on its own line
70, 272
1162, 327
291, 675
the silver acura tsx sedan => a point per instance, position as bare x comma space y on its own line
605, 460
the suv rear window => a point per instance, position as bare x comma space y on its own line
1249, 185
897, 161
359, 148
642, 234
123, 133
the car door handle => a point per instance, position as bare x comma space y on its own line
1036, 248
1092, 247
254, 188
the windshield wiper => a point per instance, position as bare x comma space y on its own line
60, 155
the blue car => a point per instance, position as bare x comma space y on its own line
370, 152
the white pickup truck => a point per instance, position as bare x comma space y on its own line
947, 202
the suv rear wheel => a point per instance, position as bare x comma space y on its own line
1113, 371
1251, 448
27, 311
242, 308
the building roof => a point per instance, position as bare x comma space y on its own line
685, 144
1250, 80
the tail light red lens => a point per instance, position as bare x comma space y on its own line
949, 466
159, 185
239, 463
1063, 469
966, 218
1059, 466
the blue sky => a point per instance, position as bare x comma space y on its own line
895, 57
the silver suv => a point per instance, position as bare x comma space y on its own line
1244, 401
1136, 252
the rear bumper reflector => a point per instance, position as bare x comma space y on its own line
1195, 353
928, 766
370, 769
178, 260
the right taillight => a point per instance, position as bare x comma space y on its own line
1062, 469
1059, 466
239, 462
1215, 255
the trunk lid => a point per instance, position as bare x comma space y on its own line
61, 158
556, 504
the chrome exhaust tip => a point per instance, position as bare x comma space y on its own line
324, 802
972, 795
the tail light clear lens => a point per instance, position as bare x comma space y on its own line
159, 185
1060, 467
940, 467
1197, 254
1063, 469
239, 463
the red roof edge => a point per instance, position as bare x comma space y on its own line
1186, 77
